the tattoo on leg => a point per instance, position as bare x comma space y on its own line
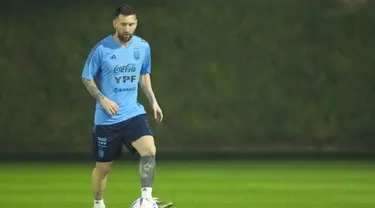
99, 195
146, 169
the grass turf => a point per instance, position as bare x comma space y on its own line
201, 184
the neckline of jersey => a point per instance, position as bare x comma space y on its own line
120, 46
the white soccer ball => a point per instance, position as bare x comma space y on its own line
144, 203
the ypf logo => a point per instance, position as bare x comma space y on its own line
125, 79
102, 142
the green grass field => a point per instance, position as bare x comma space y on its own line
202, 184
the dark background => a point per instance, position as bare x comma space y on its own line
232, 77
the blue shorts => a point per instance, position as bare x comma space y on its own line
108, 140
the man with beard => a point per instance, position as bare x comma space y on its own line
119, 62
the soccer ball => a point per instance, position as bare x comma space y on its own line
144, 203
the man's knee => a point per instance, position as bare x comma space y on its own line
148, 150
145, 146
103, 167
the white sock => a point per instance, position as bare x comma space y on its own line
146, 192
101, 202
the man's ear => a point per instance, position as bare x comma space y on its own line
114, 23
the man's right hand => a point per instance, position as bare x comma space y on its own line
109, 106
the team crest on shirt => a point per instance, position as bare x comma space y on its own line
136, 54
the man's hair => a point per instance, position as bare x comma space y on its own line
124, 10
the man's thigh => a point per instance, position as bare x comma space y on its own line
145, 146
137, 129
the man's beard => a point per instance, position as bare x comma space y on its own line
125, 37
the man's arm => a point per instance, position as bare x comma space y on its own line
145, 82
93, 89
91, 68
110, 107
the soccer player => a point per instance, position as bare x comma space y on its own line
120, 62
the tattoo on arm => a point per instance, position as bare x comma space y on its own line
93, 89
